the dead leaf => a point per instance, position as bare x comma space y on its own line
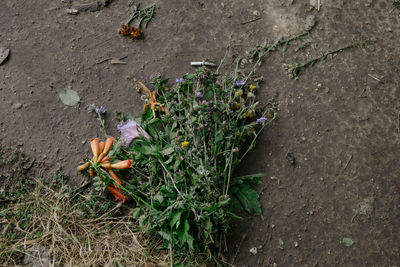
69, 97
4, 53
115, 60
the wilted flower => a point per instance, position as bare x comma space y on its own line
132, 32
239, 83
261, 120
199, 94
130, 130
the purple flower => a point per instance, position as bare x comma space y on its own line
180, 80
280, 39
236, 149
214, 106
100, 110
239, 83
92, 107
130, 130
199, 94
218, 82
261, 120
224, 123
181, 158
227, 197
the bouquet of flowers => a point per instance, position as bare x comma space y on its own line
179, 159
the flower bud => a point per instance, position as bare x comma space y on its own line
125, 164
94, 144
101, 147
108, 145
83, 167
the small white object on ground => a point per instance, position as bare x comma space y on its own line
253, 250
202, 63
72, 11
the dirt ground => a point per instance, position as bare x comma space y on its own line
340, 120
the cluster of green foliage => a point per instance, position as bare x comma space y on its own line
182, 176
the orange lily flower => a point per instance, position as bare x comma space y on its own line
100, 151
94, 144
117, 193
153, 104
125, 164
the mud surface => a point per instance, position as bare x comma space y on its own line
340, 120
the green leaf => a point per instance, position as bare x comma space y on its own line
136, 213
116, 148
347, 242
147, 115
176, 216
248, 179
167, 151
165, 235
159, 198
208, 95
69, 97
244, 198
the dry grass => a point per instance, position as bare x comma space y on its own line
52, 219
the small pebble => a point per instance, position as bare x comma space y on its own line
256, 13
17, 106
253, 250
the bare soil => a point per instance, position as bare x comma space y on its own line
340, 120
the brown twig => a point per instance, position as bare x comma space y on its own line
375, 78
347, 164
250, 21
240, 245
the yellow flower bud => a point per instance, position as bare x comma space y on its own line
250, 95
252, 87
239, 92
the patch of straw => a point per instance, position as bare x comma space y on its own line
71, 237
